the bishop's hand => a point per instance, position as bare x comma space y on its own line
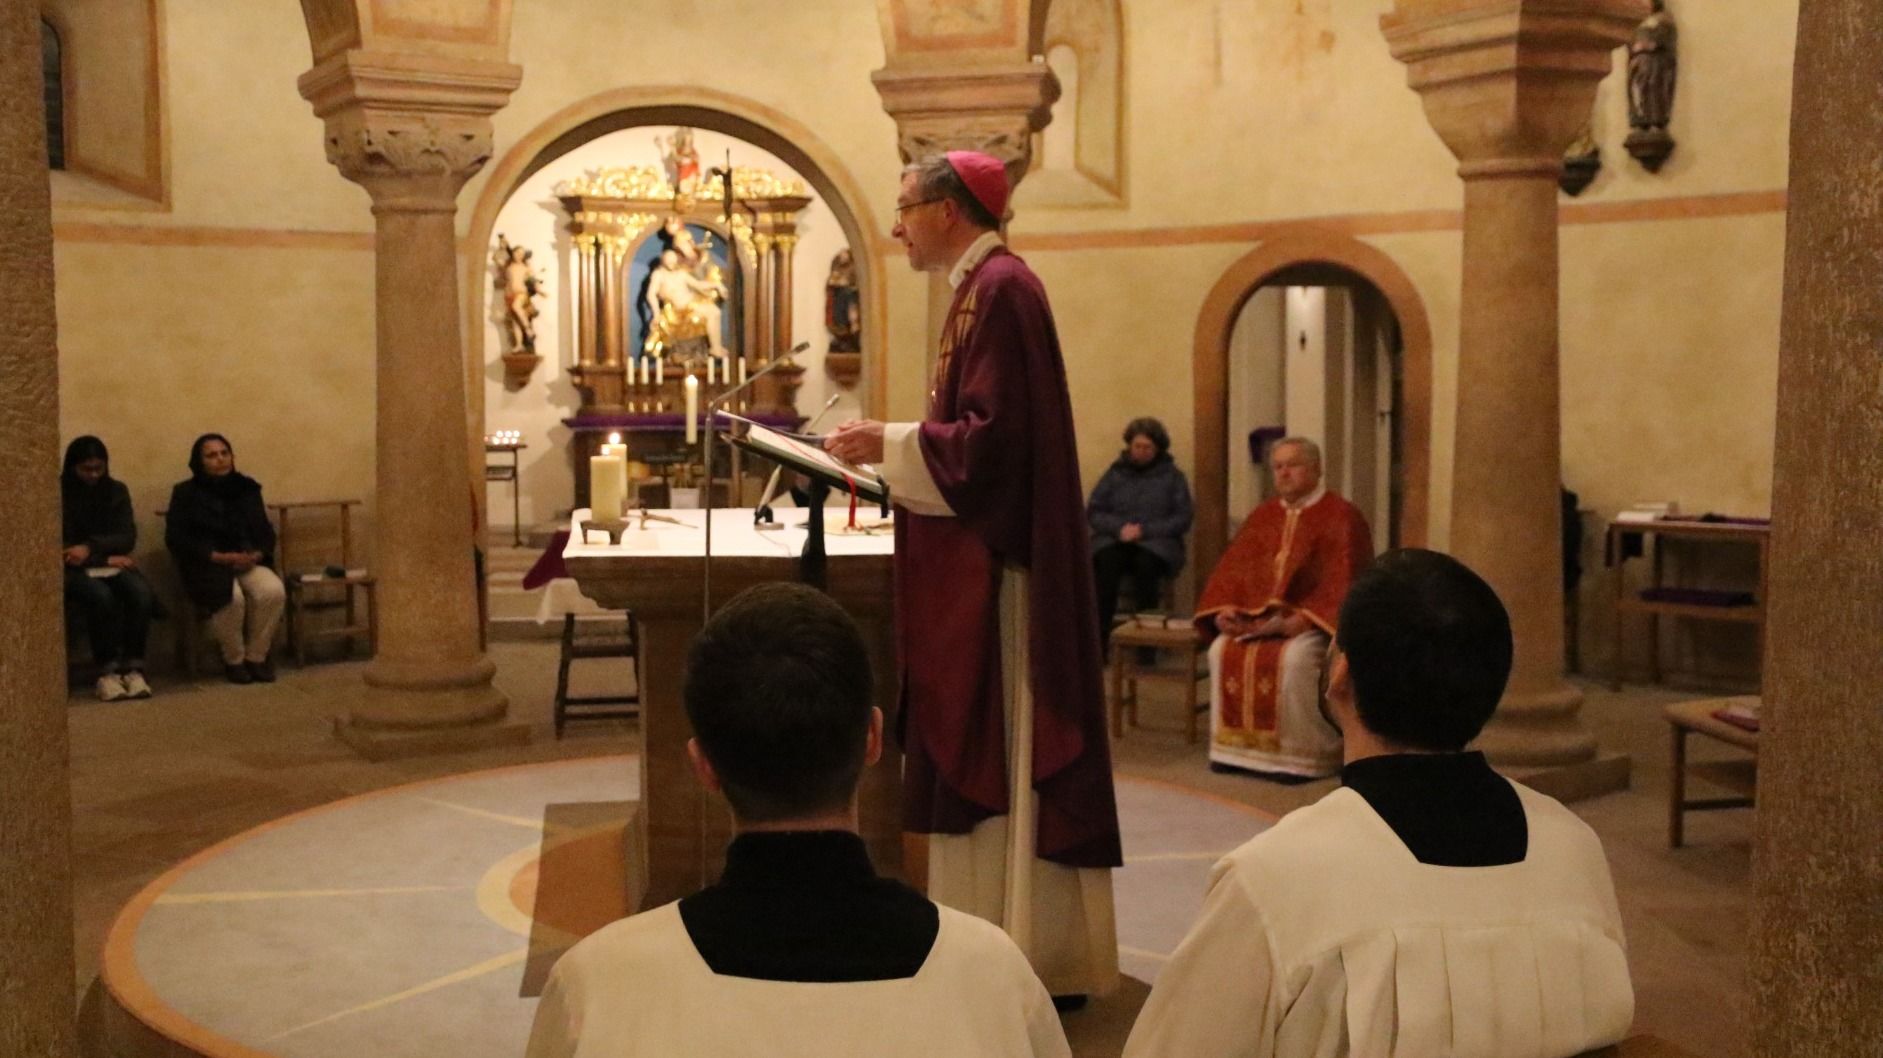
859, 441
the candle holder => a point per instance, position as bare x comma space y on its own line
614, 527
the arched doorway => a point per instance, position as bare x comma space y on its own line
1381, 362
666, 107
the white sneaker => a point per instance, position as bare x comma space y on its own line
110, 688
135, 686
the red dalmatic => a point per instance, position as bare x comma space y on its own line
1282, 560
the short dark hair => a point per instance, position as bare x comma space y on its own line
935, 178
778, 689
1146, 426
1428, 646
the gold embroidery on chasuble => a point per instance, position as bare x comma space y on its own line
954, 334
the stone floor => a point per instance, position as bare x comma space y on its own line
157, 780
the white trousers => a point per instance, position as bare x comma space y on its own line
245, 629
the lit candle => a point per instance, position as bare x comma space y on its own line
693, 408
607, 486
616, 449
660, 371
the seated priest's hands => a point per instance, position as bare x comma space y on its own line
860, 441
1294, 624
121, 562
1237, 623
1131, 533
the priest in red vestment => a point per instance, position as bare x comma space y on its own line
1007, 763
1271, 605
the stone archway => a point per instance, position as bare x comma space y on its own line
698, 107
1210, 369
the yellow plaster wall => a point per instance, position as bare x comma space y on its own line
1237, 111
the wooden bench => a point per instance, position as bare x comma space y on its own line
1127, 672
1740, 776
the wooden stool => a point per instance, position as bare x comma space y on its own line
1738, 775
596, 706
309, 591
1126, 639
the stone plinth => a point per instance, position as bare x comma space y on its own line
1507, 85
411, 130
1817, 945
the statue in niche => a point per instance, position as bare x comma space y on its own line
682, 306
517, 279
1653, 60
843, 310
681, 159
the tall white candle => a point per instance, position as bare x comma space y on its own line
693, 408
660, 371
742, 371
607, 486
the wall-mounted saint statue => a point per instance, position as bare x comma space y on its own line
1653, 59
518, 287
1581, 162
843, 320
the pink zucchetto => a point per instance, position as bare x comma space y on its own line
986, 178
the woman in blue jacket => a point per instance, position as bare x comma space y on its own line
1139, 514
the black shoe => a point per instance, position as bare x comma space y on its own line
263, 671
238, 674
1068, 1004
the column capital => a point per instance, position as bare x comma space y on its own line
411, 129
1507, 84
995, 109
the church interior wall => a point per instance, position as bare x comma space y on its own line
1239, 116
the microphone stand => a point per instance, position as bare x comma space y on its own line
762, 514
712, 416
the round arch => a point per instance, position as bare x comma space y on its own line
1307, 245
698, 107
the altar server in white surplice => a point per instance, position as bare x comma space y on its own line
800, 949
1430, 907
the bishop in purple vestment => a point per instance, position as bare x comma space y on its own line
992, 576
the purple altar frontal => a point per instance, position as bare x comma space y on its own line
666, 421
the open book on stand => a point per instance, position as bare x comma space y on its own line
799, 452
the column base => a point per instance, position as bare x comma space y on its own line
383, 743
1604, 773
1538, 729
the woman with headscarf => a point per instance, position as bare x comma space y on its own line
101, 579
219, 534
1138, 513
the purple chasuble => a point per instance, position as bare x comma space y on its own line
999, 443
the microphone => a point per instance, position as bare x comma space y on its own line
706, 443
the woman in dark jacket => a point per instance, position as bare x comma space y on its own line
219, 534
1139, 514
101, 579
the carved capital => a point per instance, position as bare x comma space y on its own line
996, 110
1508, 84
411, 129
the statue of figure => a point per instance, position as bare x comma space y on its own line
1652, 58
680, 238
680, 157
1652, 63
682, 305
843, 309
518, 281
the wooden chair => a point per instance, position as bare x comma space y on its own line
312, 591
596, 706
1127, 671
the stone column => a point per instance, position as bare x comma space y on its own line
411, 131
36, 997
1507, 85
993, 108
1817, 944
